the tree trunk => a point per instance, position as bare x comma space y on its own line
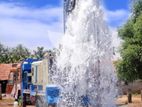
129, 95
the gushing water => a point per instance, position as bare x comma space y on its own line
84, 66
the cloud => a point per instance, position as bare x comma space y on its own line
31, 27
116, 18
34, 27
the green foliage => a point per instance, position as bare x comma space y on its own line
13, 55
20, 101
127, 30
19, 53
130, 67
4, 54
137, 8
39, 53
138, 27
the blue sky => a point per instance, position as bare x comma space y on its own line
116, 4
117, 11
34, 3
40, 22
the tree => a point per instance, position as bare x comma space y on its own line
4, 54
137, 8
13, 55
39, 53
19, 53
130, 67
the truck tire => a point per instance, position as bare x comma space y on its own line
40, 102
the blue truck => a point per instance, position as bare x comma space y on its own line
26, 80
46, 95
35, 85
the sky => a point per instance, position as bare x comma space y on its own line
116, 11
40, 22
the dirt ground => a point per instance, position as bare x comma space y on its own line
6, 102
121, 101
136, 101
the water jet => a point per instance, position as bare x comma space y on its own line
84, 65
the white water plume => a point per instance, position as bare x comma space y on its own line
84, 65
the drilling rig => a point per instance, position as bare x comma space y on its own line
69, 6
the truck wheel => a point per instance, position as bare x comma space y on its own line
39, 102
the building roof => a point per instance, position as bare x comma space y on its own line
5, 70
